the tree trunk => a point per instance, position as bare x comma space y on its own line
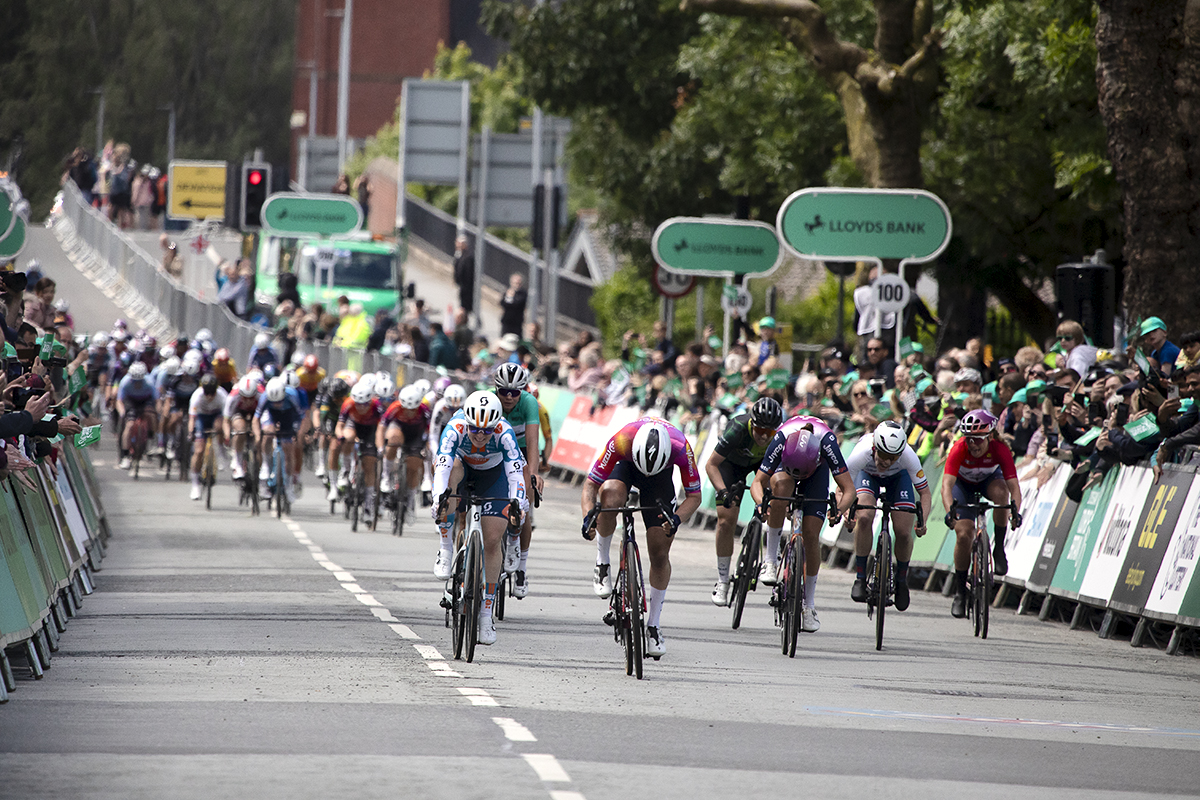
1148, 75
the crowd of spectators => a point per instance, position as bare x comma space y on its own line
129, 194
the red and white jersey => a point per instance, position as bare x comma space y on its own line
966, 467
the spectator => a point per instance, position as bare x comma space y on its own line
353, 330
420, 345
464, 273
341, 185
506, 348
81, 170
383, 324
463, 337
512, 305
767, 346
362, 190
1189, 347
39, 305
1153, 332
878, 357
172, 264
1179, 429
238, 291
1079, 356
143, 198
663, 343
442, 352
418, 317
287, 289
120, 192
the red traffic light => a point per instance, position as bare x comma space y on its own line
255, 177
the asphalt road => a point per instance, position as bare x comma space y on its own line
224, 655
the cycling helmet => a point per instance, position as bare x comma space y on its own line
270, 371
311, 362
209, 384
423, 385
137, 347
221, 355
455, 396
261, 340
120, 325
362, 393
385, 388
440, 385
137, 371
62, 305
766, 413
801, 453
100, 339
292, 379
511, 376
367, 380
889, 438
257, 376
276, 390
172, 366
652, 448
248, 387
191, 366
165, 352
410, 398
977, 423
338, 388
482, 409
204, 335
120, 336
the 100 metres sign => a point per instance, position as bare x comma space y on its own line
839, 224
707, 246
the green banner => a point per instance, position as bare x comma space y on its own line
1089, 519
89, 435
927, 548
1142, 428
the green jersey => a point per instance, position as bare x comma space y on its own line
525, 412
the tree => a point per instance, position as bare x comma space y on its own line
1148, 72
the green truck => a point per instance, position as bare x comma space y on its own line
364, 269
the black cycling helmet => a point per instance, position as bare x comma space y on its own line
339, 388
766, 413
209, 384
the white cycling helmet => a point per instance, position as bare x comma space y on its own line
191, 366
454, 396
385, 389
172, 366
62, 304
362, 392
410, 397
100, 339
652, 448
293, 380
204, 335
137, 371
511, 376
166, 351
248, 387
276, 390
260, 341
889, 438
423, 385
367, 380
257, 375
483, 410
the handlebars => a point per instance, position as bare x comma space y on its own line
983, 505
514, 507
796, 500
593, 517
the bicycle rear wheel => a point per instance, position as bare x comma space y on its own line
501, 590
278, 472
209, 476
981, 581
633, 600
400, 498
747, 570
883, 580
474, 593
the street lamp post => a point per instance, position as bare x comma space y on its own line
99, 123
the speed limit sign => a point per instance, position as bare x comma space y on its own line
672, 284
890, 293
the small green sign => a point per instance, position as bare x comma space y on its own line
717, 247
8, 214
313, 214
12, 244
89, 435
842, 224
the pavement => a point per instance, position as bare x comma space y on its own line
227, 655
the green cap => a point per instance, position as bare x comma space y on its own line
715, 342
1033, 387
1151, 324
989, 389
924, 384
1020, 396
766, 322
9, 351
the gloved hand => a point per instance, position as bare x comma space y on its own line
1017, 519
949, 520
674, 523
587, 525
722, 497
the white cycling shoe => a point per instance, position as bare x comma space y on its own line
512, 553
602, 580
195, 491
443, 567
720, 593
767, 574
333, 494
656, 645
487, 630
808, 621
520, 586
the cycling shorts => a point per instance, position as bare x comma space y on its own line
204, 423
815, 491
733, 473
653, 488
364, 433
484, 483
415, 438
898, 485
284, 427
966, 493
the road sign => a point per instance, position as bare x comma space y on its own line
12, 244
314, 214
8, 214
706, 246
672, 284
196, 189
864, 224
325, 257
736, 300
891, 293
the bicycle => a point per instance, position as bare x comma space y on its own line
745, 572
980, 574
358, 491
208, 468
277, 482
504, 586
881, 565
182, 450
627, 603
248, 494
468, 581
788, 596
399, 502
139, 435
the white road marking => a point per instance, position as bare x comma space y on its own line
352, 588
442, 669
312, 548
404, 631
327, 564
478, 697
547, 767
513, 730
367, 600
429, 652
559, 794
384, 615
344, 577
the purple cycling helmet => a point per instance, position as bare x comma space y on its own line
801, 453
977, 423
441, 384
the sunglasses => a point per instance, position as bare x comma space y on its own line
861, 394
1066, 338
471, 429
875, 349
509, 392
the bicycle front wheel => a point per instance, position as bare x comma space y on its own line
747, 570
458, 603
400, 498
474, 593
793, 613
981, 579
883, 580
633, 602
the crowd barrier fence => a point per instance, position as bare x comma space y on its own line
52, 540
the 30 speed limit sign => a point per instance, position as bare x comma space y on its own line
890, 292
672, 284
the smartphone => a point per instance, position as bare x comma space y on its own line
1096, 413
1080, 399
1057, 395
878, 387
1122, 415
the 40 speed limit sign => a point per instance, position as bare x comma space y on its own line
891, 293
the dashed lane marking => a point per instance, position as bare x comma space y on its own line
403, 631
429, 652
384, 615
547, 767
344, 577
478, 697
513, 730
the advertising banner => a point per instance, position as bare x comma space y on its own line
1052, 545
1108, 555
1093, 513
1024, 544
585, 431
1174, 576
926, 548
1148, 545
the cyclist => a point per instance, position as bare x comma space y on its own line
478, 453
738, 453
278, 415
178, 391
224, 368
978, 465
405, 428
135, 398
544, 424
885, 460
261, 353
800, 458
358, 419
204, 414
330, 396
642, 455
447, 407
520, 411
311, 375
240, 408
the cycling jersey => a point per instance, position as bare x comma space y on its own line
523, 413
203, 405
413, 423
138, 393
368, 415
737, 443
285, 415
862, 459
544, 421
180, 389
620, 449
236, 405
500, 450
260, 357
310, 381
831, 454
966, 467
225, 371
441, 414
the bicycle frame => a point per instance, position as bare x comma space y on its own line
980, 571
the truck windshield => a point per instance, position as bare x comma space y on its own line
351, 268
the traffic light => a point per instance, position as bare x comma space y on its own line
256, 187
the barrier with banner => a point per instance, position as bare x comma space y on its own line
51, 540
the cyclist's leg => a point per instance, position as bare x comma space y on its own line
816, 506
727, 518
997, 492
867, 487
238, 430
414, 466
197, 459
782, 486
964, 531
393, 440
446, 527
613, 493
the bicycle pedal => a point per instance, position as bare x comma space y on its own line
610, 619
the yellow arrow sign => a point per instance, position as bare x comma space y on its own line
196, 189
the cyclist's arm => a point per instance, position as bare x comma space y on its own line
925, 497
587, 500
690, 503
514, 469
948, 481
1014, 493
533, 460
713, 473
444, 463
841, 475
954, 460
